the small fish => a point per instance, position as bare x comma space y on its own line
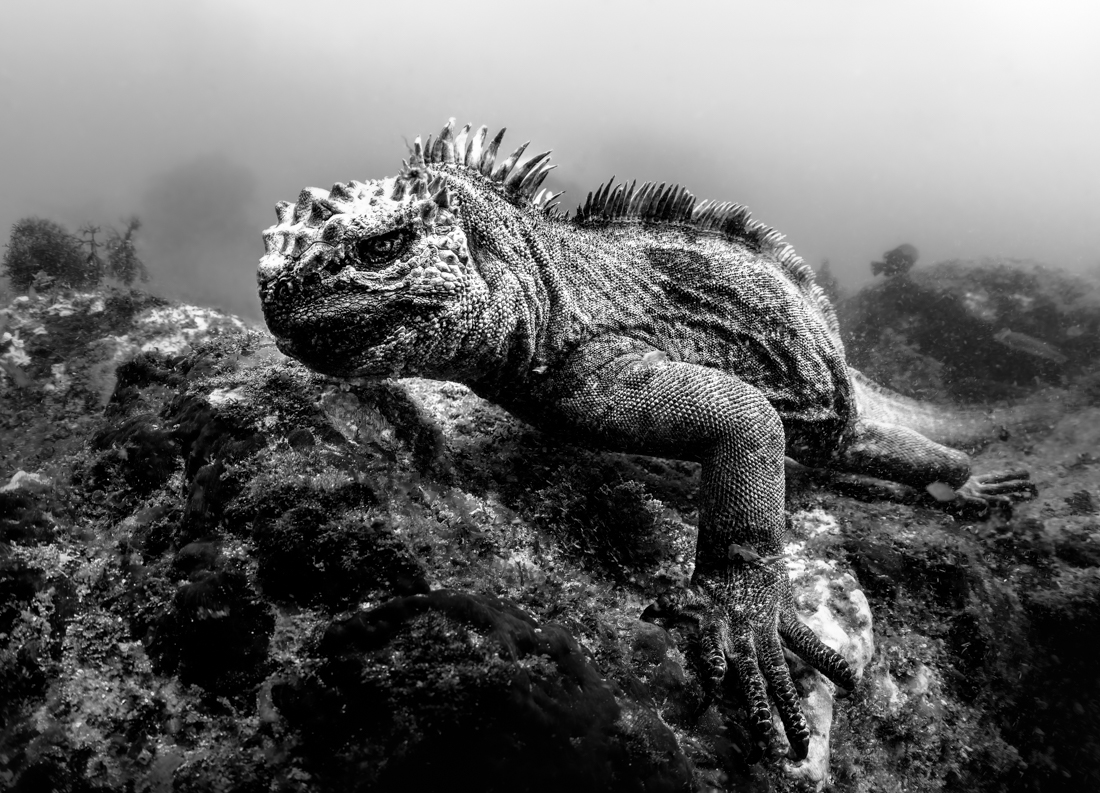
1021, 342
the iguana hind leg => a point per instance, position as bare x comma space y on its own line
899, 454
622, 397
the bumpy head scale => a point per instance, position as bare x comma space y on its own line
300, 223
434, 162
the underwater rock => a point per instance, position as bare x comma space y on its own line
138, 451
408, 681
216, 633
300, 438
220, 580
308, 557
23, 521
29, 482
382, 415
982, 329
832, 603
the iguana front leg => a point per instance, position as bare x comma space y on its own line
623, 397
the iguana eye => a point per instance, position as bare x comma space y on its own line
383, 247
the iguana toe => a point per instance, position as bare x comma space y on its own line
786, 696
997, 489
757, 660
1016, 485
804, 643
749, 642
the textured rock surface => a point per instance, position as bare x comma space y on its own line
236, 577
831, 603
432, 687
977, 330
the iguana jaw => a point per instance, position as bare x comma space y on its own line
385, 360
343, 308
365, 336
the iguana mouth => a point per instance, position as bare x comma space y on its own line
342, 343
335, 361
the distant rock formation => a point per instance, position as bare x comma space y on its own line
899, 261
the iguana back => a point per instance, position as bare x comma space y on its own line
713, 288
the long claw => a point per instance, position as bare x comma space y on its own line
1019, 489
714, 645
1015, 485
1000, 489
973, 506
754, 687
786, 698
1004, 476
1018, 484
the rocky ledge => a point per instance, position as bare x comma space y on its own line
220, 572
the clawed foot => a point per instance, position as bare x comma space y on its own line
999, 490
744, 613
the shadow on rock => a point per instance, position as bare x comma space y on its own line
429, 689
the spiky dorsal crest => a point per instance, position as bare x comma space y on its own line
674, 204
469, 150
649, 203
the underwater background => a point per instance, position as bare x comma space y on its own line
220, 571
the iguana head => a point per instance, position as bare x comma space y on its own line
378, 277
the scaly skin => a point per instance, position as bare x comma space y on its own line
645, 324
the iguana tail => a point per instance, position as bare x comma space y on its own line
953, 426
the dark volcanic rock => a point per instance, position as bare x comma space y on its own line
973, 329
448, 685
229, 574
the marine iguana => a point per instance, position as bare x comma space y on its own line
647, 323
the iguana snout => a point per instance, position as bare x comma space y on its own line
359, 279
